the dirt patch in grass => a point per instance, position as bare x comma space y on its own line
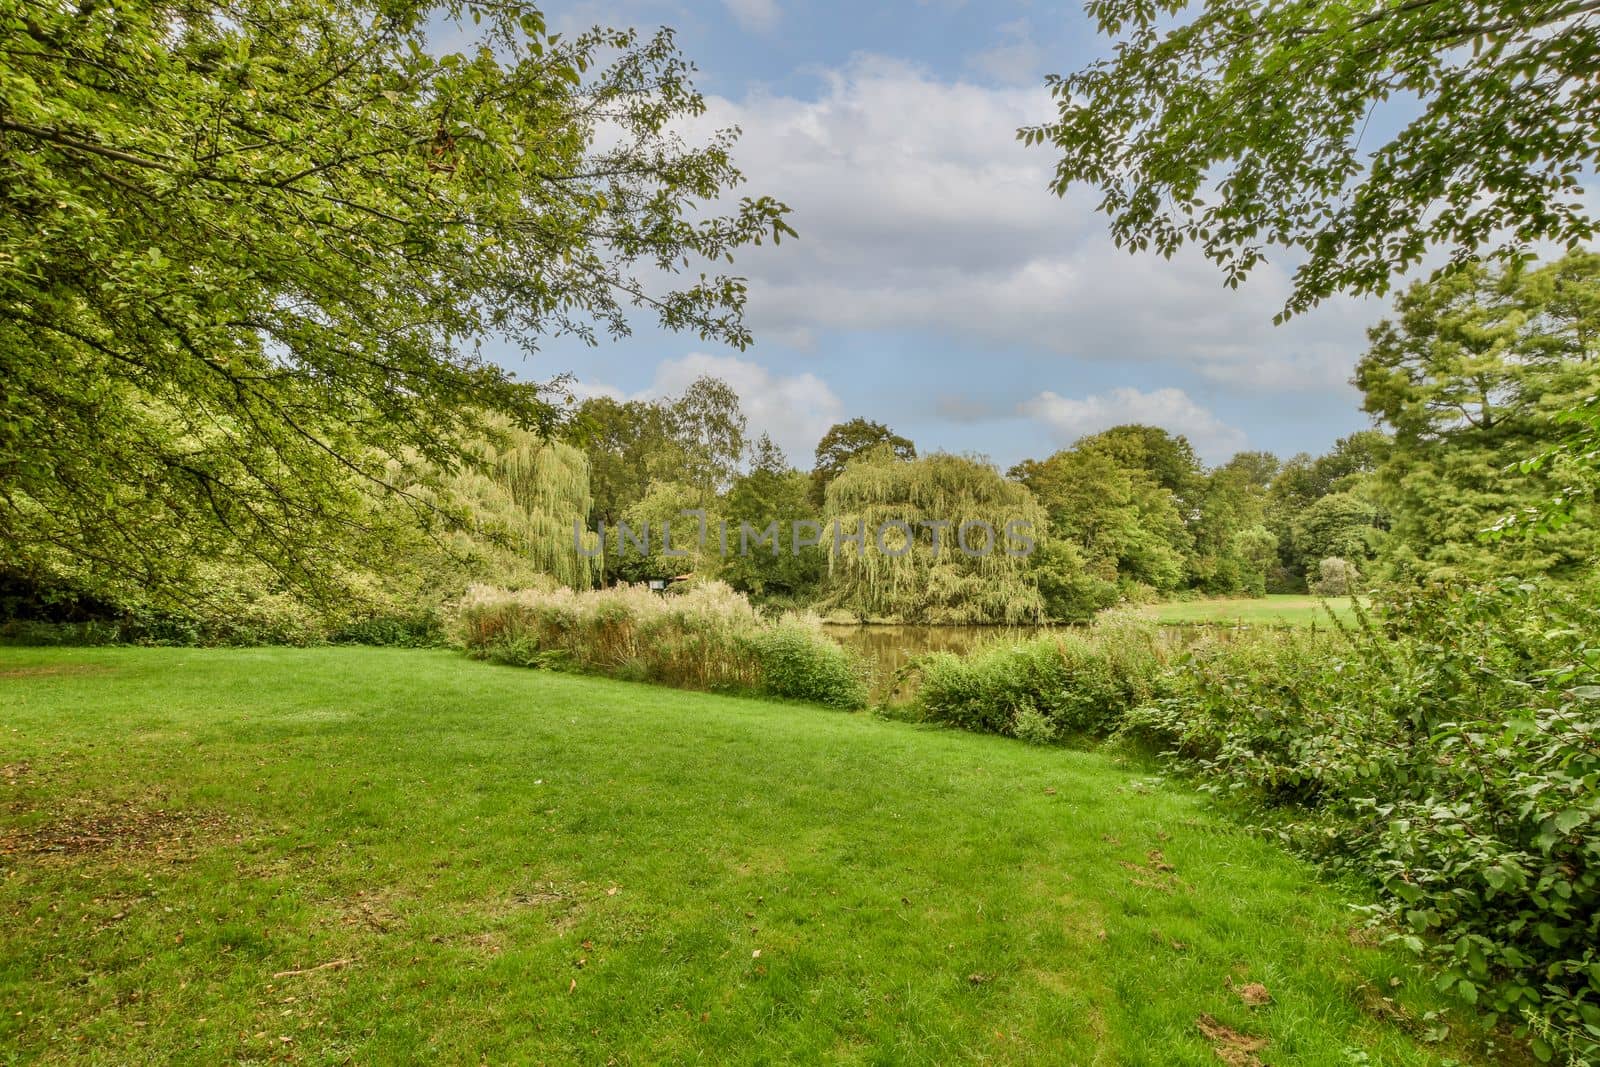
371, 911
1155, 873
1231, 1047
562, 905
96, 829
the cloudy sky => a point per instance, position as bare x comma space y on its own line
936, 284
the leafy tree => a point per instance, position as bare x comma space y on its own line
709, 428
847, 440
1247, 124
249, 248
1169, 458
628, 444
1124, 525
771, 491
915, 579
1303, 480
1353, 526
1072, 589
514, 510
1258, 468
1471, 374
655, 517
1233, 548
1342, 525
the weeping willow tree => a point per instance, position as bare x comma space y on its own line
942, 539
506, 519
526, 495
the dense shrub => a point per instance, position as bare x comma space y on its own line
798, 662
705, 637
1451, 750
1067, 682
394, 631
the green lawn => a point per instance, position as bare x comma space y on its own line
1276, 609
380, 856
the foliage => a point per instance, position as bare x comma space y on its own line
525, 495
1241, 125
660, 516
1168, 458
1471, 374
1071, 590
1122, 522
250, 247
1576, 461
930, 579
710, 428
846, 441
1450, 750
1336, 577
421, 631
1326, 506
1065, 683
1343, 525
799, 662
628, 445
772, 492
705, 637
1233, 547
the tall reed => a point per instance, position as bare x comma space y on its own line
705, 637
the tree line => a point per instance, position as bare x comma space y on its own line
1464, 381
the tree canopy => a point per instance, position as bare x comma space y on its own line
251, 248
1239, 125
845, 441
1470, 373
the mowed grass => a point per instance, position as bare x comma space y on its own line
1276, 609
382, 856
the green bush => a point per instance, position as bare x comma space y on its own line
705, 637
1451, 751
394, 631
799, 663
1078, 682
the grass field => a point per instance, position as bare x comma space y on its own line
1273, 610
380, 856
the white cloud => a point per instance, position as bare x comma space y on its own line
755, 16
796, 410
1171, 409
917, 209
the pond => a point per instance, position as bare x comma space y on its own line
887, 649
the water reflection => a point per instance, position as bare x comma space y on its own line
887, 649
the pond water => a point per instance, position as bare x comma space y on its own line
887, 649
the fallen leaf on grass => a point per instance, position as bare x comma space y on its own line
1231, 1047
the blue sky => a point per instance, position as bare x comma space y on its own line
936, 284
